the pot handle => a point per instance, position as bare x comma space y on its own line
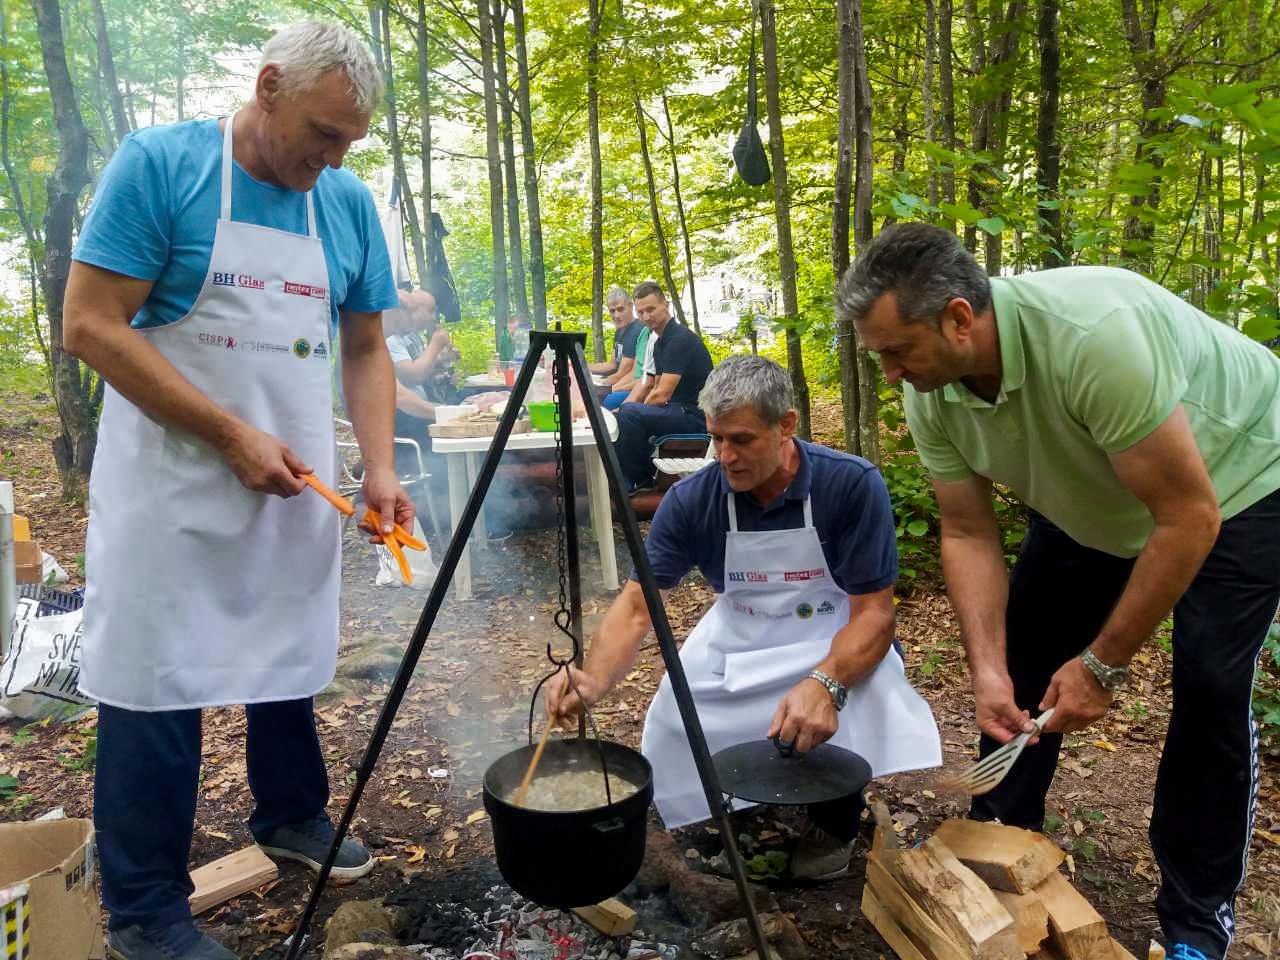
612, 825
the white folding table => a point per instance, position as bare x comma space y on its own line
463, 458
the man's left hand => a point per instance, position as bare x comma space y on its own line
1077, 698
382, 492
806, 716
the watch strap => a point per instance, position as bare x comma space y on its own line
1111, 678
839, 692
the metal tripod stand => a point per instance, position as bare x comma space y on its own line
567, 348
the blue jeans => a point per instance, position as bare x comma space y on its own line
145, 784
614, 400
638, 423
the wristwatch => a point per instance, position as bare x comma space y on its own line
1109, 678
839, 692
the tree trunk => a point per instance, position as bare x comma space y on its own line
947, 94
926, 92
533, 206
424, 120
1005, 41
1139, 227
978, 113
74, 386
108, 67
501, 303
846, 128
1048, 146
597, 199
515, 249
659, 235
868, 418
684, 223
397, 153
782, 213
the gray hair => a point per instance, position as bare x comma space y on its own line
306, 51
924, 266
615, 294
744, 380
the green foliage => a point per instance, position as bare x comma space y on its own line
1266, 692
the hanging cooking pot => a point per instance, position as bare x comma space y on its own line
762, 771
569, 858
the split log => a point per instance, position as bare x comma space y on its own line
1074, 925
1155, 951
1121, 953
961, 904
1007, 858
230, 876
1031, 917
611, 917
908, 915
888, 928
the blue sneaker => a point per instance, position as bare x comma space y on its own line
178, 941
308, 842
1182, 951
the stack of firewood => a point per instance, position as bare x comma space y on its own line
982, 891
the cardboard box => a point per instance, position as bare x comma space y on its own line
54, 858
28, 562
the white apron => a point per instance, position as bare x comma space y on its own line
773, 624
199, 591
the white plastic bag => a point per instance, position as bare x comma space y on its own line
40, 670
420, 563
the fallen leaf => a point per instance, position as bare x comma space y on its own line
453, 710
222, 836
476, 817
416, 853
1105, 745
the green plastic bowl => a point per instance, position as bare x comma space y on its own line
544, 415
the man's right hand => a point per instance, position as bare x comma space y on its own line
262, 463
564, 705
440, 338
998, 713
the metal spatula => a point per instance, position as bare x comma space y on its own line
986, 774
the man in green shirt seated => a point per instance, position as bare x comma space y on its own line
1144, 436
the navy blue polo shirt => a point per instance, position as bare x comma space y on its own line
624, 341
851, 512
680, 350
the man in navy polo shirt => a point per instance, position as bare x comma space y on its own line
666, 401
798, 541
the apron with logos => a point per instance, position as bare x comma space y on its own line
199, 591
773, 624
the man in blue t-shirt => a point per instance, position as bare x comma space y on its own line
798, 541
217, 264
665, 401
618, 372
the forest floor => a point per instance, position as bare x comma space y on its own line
422, 813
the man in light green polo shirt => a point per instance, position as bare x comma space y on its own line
1144, 436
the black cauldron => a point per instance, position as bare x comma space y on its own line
569, 858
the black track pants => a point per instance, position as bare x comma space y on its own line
1206, 789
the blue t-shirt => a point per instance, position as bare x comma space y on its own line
851, 512
157, 204
624, 341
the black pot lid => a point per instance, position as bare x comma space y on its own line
758, 771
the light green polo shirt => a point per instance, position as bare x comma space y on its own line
1094, 359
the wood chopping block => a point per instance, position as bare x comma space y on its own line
467, 429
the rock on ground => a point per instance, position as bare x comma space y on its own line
358, 922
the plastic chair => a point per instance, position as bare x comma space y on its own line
350, 473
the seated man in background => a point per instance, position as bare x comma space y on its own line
798, 542
619, 371
665, 401
419, 367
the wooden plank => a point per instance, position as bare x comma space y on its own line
230, 876
1007, 858
917, 924
1031, 917
1120, 952
611, 917
958, 901
888, 928
1074, 925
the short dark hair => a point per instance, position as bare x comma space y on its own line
647, 288
925, 266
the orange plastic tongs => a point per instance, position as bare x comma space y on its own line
395, 541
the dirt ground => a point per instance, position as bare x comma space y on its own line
422, 813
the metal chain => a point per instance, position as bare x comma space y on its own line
562, 616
